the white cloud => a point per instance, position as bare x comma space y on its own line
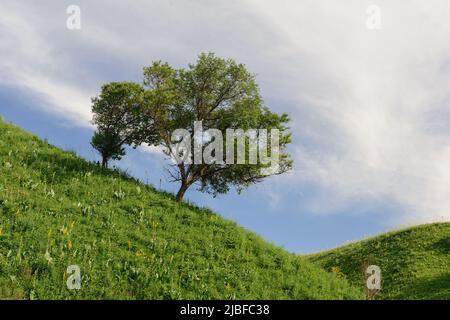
27, 62
371, 104
369, 108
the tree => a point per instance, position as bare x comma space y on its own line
108, 145
221, 95
118, 119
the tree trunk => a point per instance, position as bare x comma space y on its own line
182, 191
105, 163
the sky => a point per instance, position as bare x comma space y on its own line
369, 101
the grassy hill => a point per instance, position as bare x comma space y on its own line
415, 262
130, 241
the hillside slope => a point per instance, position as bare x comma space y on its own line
130, 241
415, 262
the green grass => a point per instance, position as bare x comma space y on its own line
130, 241
415, 262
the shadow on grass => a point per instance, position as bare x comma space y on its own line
437, 288
442, 246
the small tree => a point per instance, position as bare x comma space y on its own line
118, 119
222, 95
108, 145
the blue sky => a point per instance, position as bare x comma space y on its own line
369, 108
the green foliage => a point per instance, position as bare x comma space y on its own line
415, 262
130, 241
223, 95
220, 93
118, 119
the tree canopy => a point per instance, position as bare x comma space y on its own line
118, 117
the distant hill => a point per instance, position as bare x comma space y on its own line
131, 241
415, 262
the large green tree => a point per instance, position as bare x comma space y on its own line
222, 95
